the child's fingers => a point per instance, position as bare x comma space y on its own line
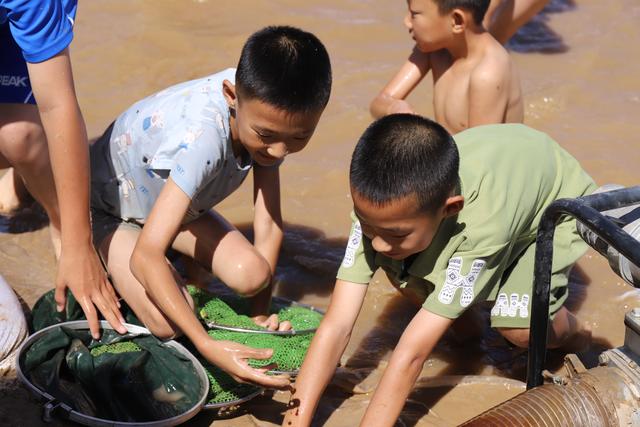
61, 296
272, 322
257, 353
110, 312
92, 317
266, 368
109, 295
271, 381
285, 326
112, 293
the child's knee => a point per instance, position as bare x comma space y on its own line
24, 141
516, 336
253, 275
160, 326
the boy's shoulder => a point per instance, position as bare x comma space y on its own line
42, 28
505, 139
200, 100
493, 63
207, 85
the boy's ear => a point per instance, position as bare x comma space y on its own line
229, 92
459, 19
453, 205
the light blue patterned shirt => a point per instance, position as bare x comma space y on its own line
181, 132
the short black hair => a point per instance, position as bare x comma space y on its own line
401, 155
478, 8
285, 67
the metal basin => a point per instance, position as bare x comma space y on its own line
54, 407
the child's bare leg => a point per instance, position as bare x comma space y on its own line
116, 250
13, 193
23, 145
565, 331
568, 332
222, 249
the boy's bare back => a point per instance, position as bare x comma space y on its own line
475, 81
476, 90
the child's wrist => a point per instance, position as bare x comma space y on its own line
201, 341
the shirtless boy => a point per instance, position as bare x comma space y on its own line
475, 81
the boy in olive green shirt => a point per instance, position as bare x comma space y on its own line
452, 224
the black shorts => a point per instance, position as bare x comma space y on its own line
15, 87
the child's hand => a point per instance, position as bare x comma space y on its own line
81, 271
271, 323
232, 358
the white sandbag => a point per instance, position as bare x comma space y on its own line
13, 326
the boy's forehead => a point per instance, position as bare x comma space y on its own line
418, 2
394, 210
270, 117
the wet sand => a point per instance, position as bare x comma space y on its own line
579, 74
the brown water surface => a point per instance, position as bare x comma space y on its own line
579, 70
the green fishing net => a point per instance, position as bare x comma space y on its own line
116, 348
223, 388
288, 350
122, 378
232, 311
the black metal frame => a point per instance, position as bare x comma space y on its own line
587, 210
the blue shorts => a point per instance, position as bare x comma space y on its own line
15, 87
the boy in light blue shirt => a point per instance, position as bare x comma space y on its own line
166, 161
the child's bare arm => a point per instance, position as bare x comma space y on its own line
267, 228
489, 93
148, 264
391, 99
415, 345
79, 268
324, 354
504, 17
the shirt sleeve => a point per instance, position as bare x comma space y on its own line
358, 264
468, 276
199, 159
42, 28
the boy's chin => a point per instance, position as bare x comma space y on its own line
425, 48
398, 256
264, 161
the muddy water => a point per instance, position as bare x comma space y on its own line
579, 72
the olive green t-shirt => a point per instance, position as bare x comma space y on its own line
509, 174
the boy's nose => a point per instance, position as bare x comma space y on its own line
407, 21
278, 150
379, 245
